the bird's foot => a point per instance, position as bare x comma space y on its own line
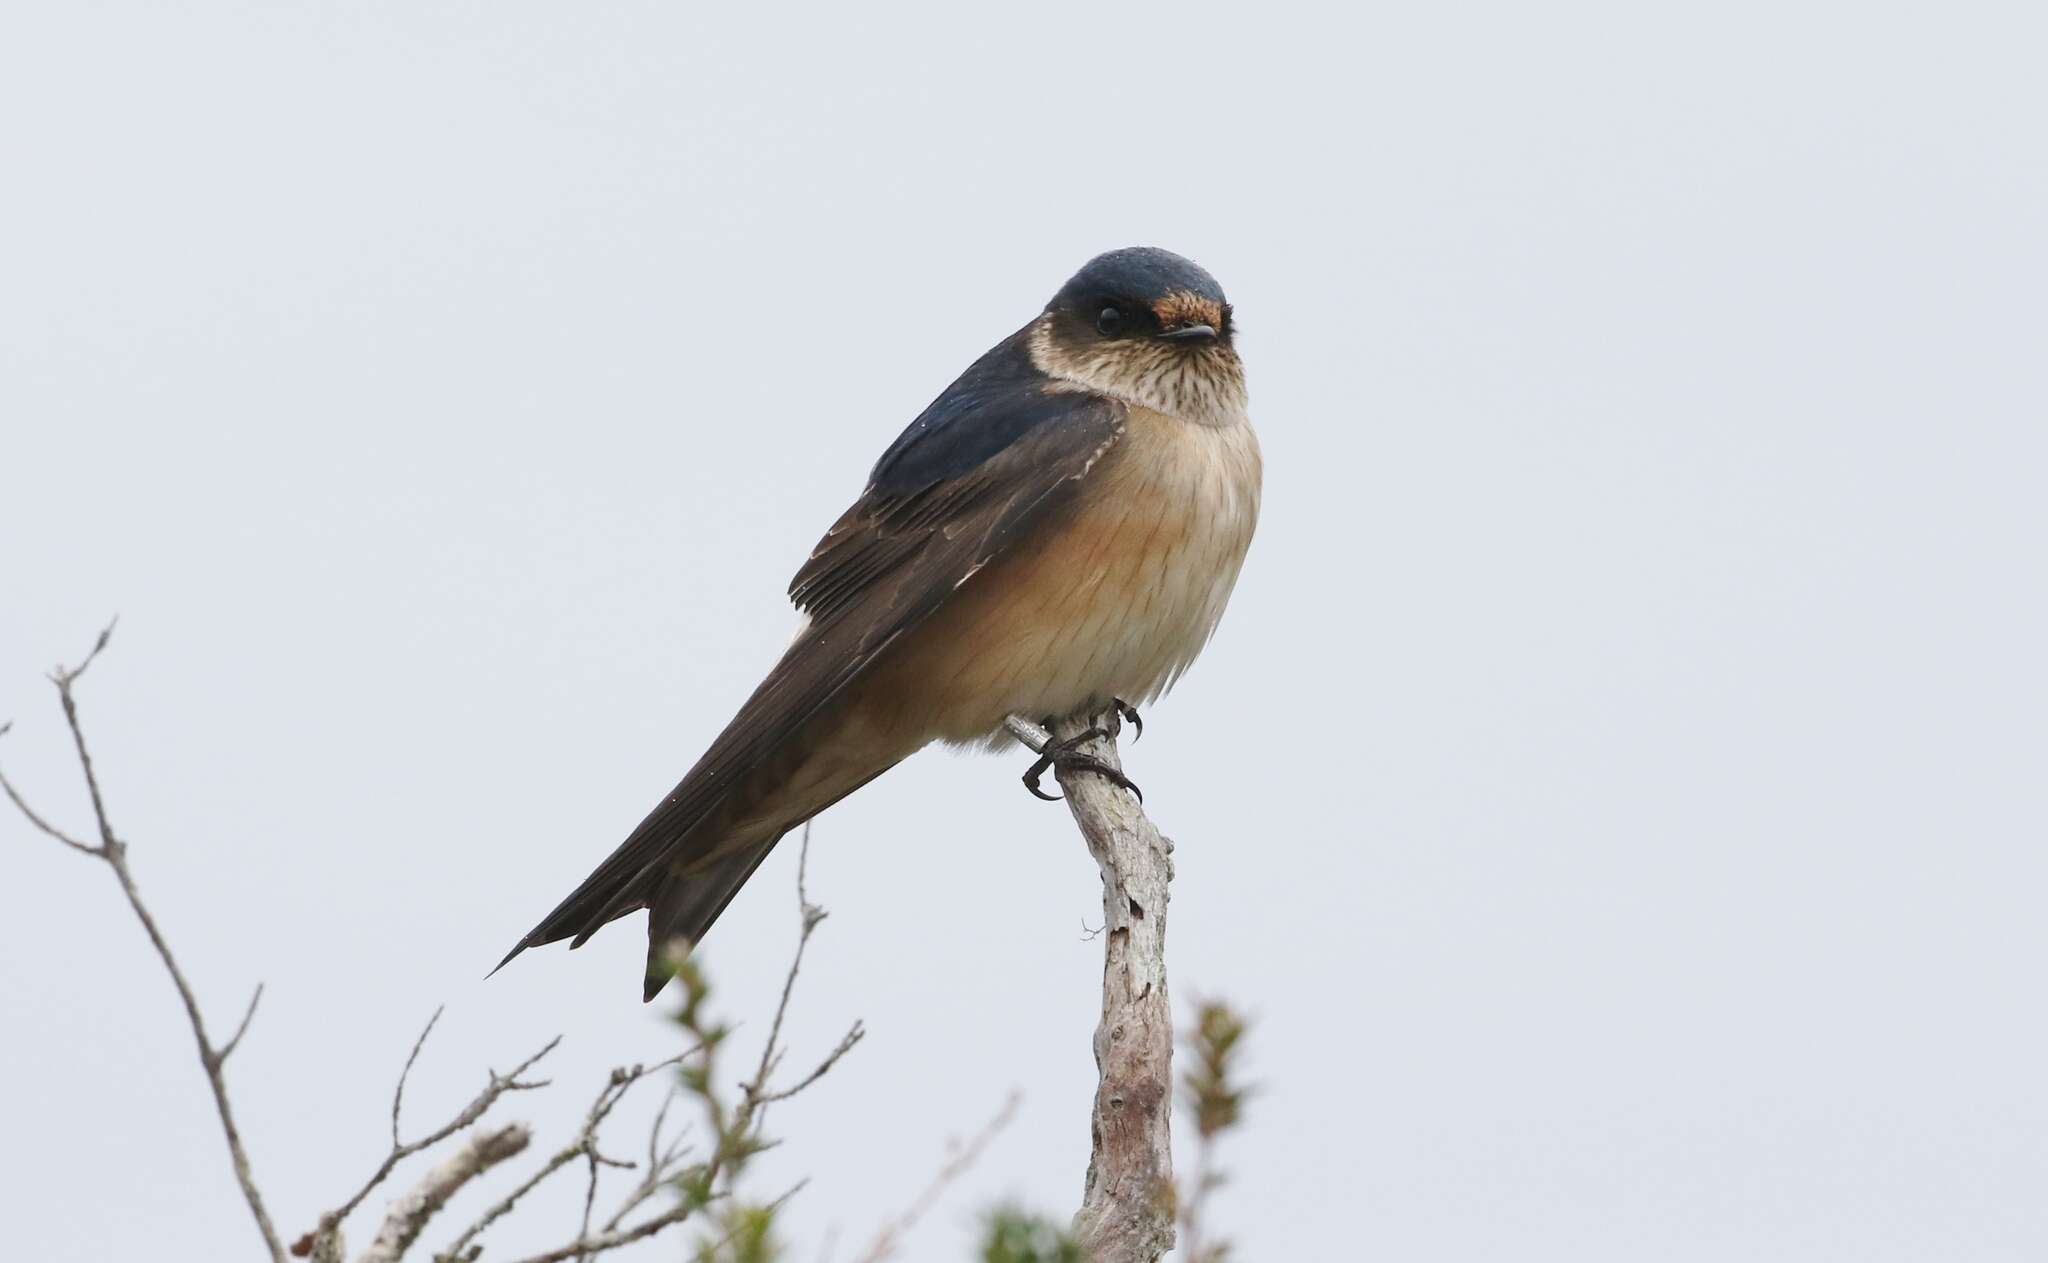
1066, 756
1130, 716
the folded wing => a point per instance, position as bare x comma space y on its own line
992, 461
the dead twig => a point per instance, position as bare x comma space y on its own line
663, 1163
740, 1138
735, 1129
843, 1047
408, 1215
756, 1089
324, 1242
584, 1146
599, 1244
114, 852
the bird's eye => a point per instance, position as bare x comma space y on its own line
1109, 321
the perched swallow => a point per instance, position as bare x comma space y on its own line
1055, 535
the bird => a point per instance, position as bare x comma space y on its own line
1055, 535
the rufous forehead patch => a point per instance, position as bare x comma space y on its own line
1185, 307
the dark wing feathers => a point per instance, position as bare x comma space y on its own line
998, 400
882, 534
974, 473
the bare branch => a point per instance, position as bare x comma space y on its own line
654, 1149
583, 1246
324, 1241
740, 1137
853, 1036
890, 1238
227, 1050
115, 854
29, 813
589, 1200
64, 679
408, 1215
398, 1093
1126, 1211
736, 1131
584, 1145
811, 915
663, 1164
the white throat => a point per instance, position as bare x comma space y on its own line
1205, 387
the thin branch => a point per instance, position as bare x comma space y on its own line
890, 1238
812, 915
227, 1050
589, 1200
846, 1042
736, 1129
653, 1180
739, 1138
408, 1215
585, 1145
398, 1093
115, 853
654, 1132
604, 1241
756, 1091
584, 1246
44, 826
324, 1241
663, 1164
64, 679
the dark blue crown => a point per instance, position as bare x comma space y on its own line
1138, 273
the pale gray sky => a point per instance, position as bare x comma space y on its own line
1617, 788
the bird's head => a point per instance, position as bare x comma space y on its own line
1149, 327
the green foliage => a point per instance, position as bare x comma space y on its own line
1210, 1085
735, 1230
749, 1237
1016, 1236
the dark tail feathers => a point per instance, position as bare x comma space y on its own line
684, 906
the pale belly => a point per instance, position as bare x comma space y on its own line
1115, 603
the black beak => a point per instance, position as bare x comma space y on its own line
1190, 333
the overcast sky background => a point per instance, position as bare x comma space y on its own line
1617, 788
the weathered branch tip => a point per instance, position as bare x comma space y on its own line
1126, 1213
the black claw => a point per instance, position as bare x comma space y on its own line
1089, 763
1031, 783
1131, 716
1065, 754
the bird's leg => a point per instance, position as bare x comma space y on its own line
1130, 715
1067, 756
